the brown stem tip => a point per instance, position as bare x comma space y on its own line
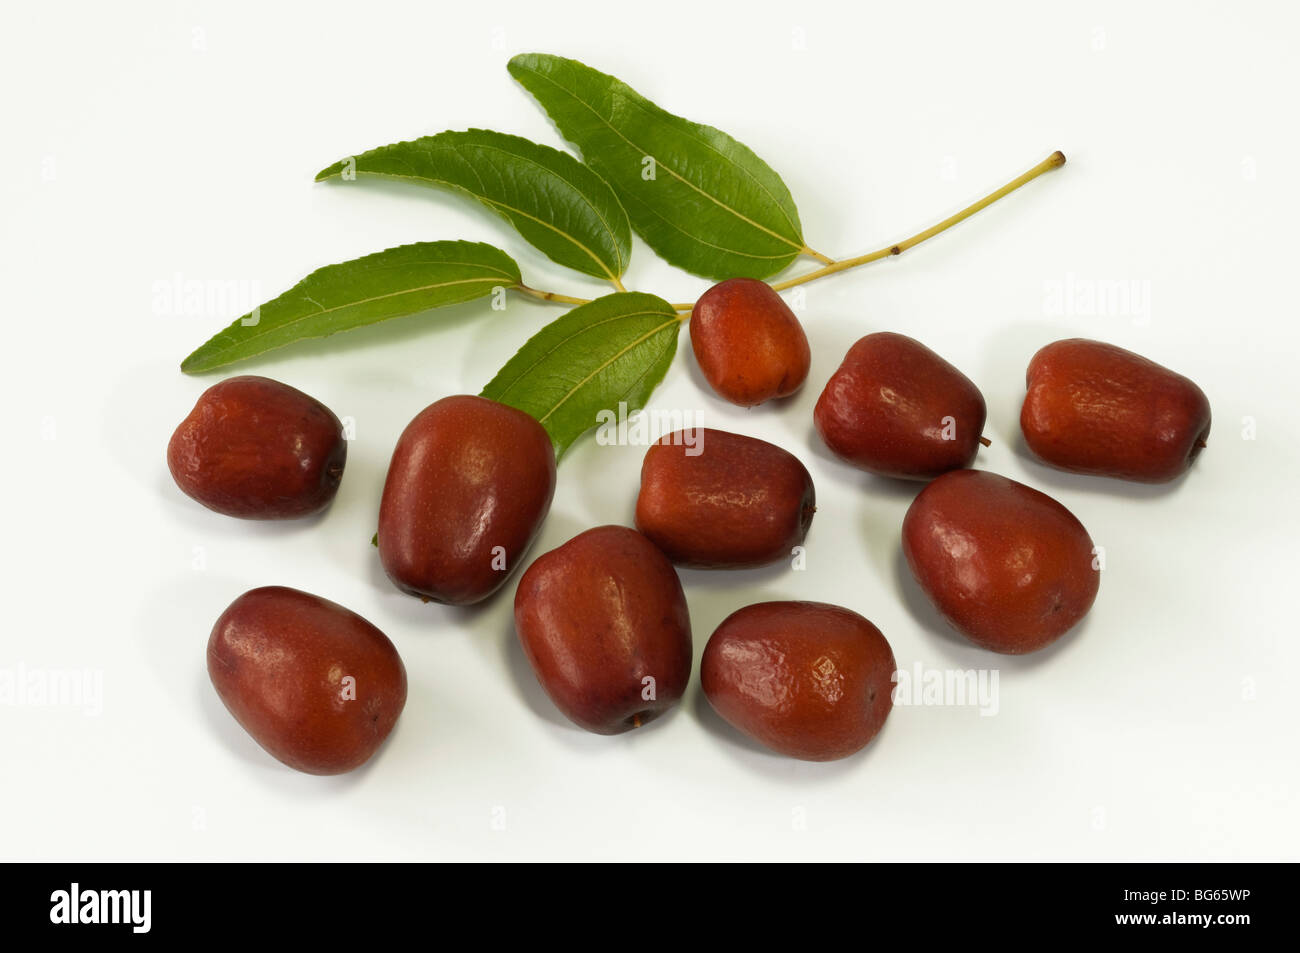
986, 441
1200, 443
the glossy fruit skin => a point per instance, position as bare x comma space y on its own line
278, 657
258, 449
748, 343
1096, 408
468, 475
1009, 567
737, 502
806, 679
596, 617
884, 410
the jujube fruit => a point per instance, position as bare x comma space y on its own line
748, 343
721, 500
1096, 408
897, 409
470, 482
1009, 567
258, 449
603, 621
806, 679
315, 684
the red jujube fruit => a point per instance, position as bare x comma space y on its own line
806, 679
748, 343
258, 449
897, 409
470, 482
315, 684
1096, 408
603, 621
717, 500
1009, 567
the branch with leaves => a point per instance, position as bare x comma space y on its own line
702, 201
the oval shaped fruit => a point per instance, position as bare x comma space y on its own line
258, 449
315, 684
602, 620
1009, 567
1096, 408
896, 408
470, 482
806, 679
717, 500
749, 345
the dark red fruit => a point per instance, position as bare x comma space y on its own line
749, 345
469, 485
603, 622
806, 679
315, 684
897, 409
1009, 567
720, 500
1099, 409
258, 449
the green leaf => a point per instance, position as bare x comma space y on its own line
698, 197
399, 281
615, 349
556, 202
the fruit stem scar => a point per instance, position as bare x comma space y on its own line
1055, 160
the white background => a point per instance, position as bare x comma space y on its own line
170, 142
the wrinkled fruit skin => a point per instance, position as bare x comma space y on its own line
748, 343
468, 475
884, 410
260, 450
1096, 408
1009, 567
598, 617
806, 679
279, 658
717, 500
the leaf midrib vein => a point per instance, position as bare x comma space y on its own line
671, 171
244, 339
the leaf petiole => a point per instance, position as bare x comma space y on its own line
551, 295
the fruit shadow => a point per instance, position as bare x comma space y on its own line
845, 474
1049, 477
733, 415
958, 649
205, 523
414, 612
762, 760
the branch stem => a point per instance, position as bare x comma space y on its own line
1055, 160
831, 266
